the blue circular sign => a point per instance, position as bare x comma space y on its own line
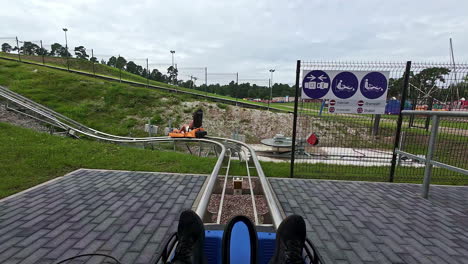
316, 84
373, 85
345, 85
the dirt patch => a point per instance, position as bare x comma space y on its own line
223, 120
17, 119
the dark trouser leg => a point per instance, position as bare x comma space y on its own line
290, 241
191, 237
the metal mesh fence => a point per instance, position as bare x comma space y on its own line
351, 146
360, 146
142, 70
9, 47
450, 148
436, 87
89, 60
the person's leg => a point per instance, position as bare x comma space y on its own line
290, 240
191, 236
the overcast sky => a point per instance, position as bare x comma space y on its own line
247, 36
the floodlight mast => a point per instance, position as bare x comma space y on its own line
270, 84
66, 47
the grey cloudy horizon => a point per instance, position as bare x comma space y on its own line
248, 37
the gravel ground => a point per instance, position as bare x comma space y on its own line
237, 204
16, 119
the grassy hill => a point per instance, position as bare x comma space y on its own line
104, 70
30, 158
86, 66
108, 106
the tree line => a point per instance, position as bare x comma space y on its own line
423, 84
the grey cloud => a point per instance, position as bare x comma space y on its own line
247, 36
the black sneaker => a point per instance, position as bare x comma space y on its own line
191, 236
290, 240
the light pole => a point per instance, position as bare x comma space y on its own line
271, 87
66, 47
237, 85
172, 52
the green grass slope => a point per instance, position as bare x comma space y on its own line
104, 70
85, 66
108, 106
29, 158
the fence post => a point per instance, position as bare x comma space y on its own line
296, 102
237, 86
269, 87
375, 128
68, 58
430, 105
42, 52
92, 57
429, 156
18, 48
206, 80
400, 146
400, 120
147, 73
120, 69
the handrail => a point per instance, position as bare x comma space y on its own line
252, 196
58, 115
436, 113
428, 159
203, 205
266, 187
223, 193
204, 200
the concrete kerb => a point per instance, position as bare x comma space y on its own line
148, 172
32, 188
351, 181
72, 173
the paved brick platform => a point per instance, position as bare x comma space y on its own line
362, 222
124, 214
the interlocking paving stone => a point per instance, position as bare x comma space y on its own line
368, 222
125, 214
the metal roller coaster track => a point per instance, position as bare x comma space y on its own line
227, 148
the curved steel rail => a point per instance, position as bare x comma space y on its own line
71, 125
51, 113
266, 187
203, 205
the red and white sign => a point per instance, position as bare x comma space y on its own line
312, 139
332, 102
357, 107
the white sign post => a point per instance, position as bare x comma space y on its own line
357, 92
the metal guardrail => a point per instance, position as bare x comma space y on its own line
428, 160
266, 187
71, 125
49, 114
